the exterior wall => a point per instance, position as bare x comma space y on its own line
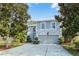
48, 25
48, 28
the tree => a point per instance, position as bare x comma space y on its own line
69, 14
13, 18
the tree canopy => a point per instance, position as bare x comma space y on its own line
69, 14
13, 18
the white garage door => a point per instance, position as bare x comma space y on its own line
52, 39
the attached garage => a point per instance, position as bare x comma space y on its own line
47, 31
51, 39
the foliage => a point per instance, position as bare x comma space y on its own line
76, 41
36, 40
15, 44
21, 37
29, 39
13, 18
62, 40
2, 42
13, 22
70, 49
70, 17
73, 48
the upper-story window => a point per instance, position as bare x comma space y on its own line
43, 26
53, 25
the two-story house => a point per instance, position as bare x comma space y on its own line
48, 31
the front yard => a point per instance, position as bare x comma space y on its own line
9, 43
71, 50
72, 46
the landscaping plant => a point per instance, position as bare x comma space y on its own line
36, 40
29, 39
61, 39
13, 21
76, 41
21, 37
69, 18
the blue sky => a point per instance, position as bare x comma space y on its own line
43, 10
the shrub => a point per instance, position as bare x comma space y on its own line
21, 36
76, 41
36, 41
61, 40
17, 41
15, 44
2, 42
8, 41
29, 39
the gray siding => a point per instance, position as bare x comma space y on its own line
48, 26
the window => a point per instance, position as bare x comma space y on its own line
43, 26
53, 25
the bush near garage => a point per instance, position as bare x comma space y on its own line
61, 40
21, 37
29, 39
36, 40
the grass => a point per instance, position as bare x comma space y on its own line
70, 49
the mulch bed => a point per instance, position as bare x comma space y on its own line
1, 49
5, 48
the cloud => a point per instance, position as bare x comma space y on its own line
55, 5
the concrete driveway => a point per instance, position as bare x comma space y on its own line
36, 50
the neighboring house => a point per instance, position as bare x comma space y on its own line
48, 31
